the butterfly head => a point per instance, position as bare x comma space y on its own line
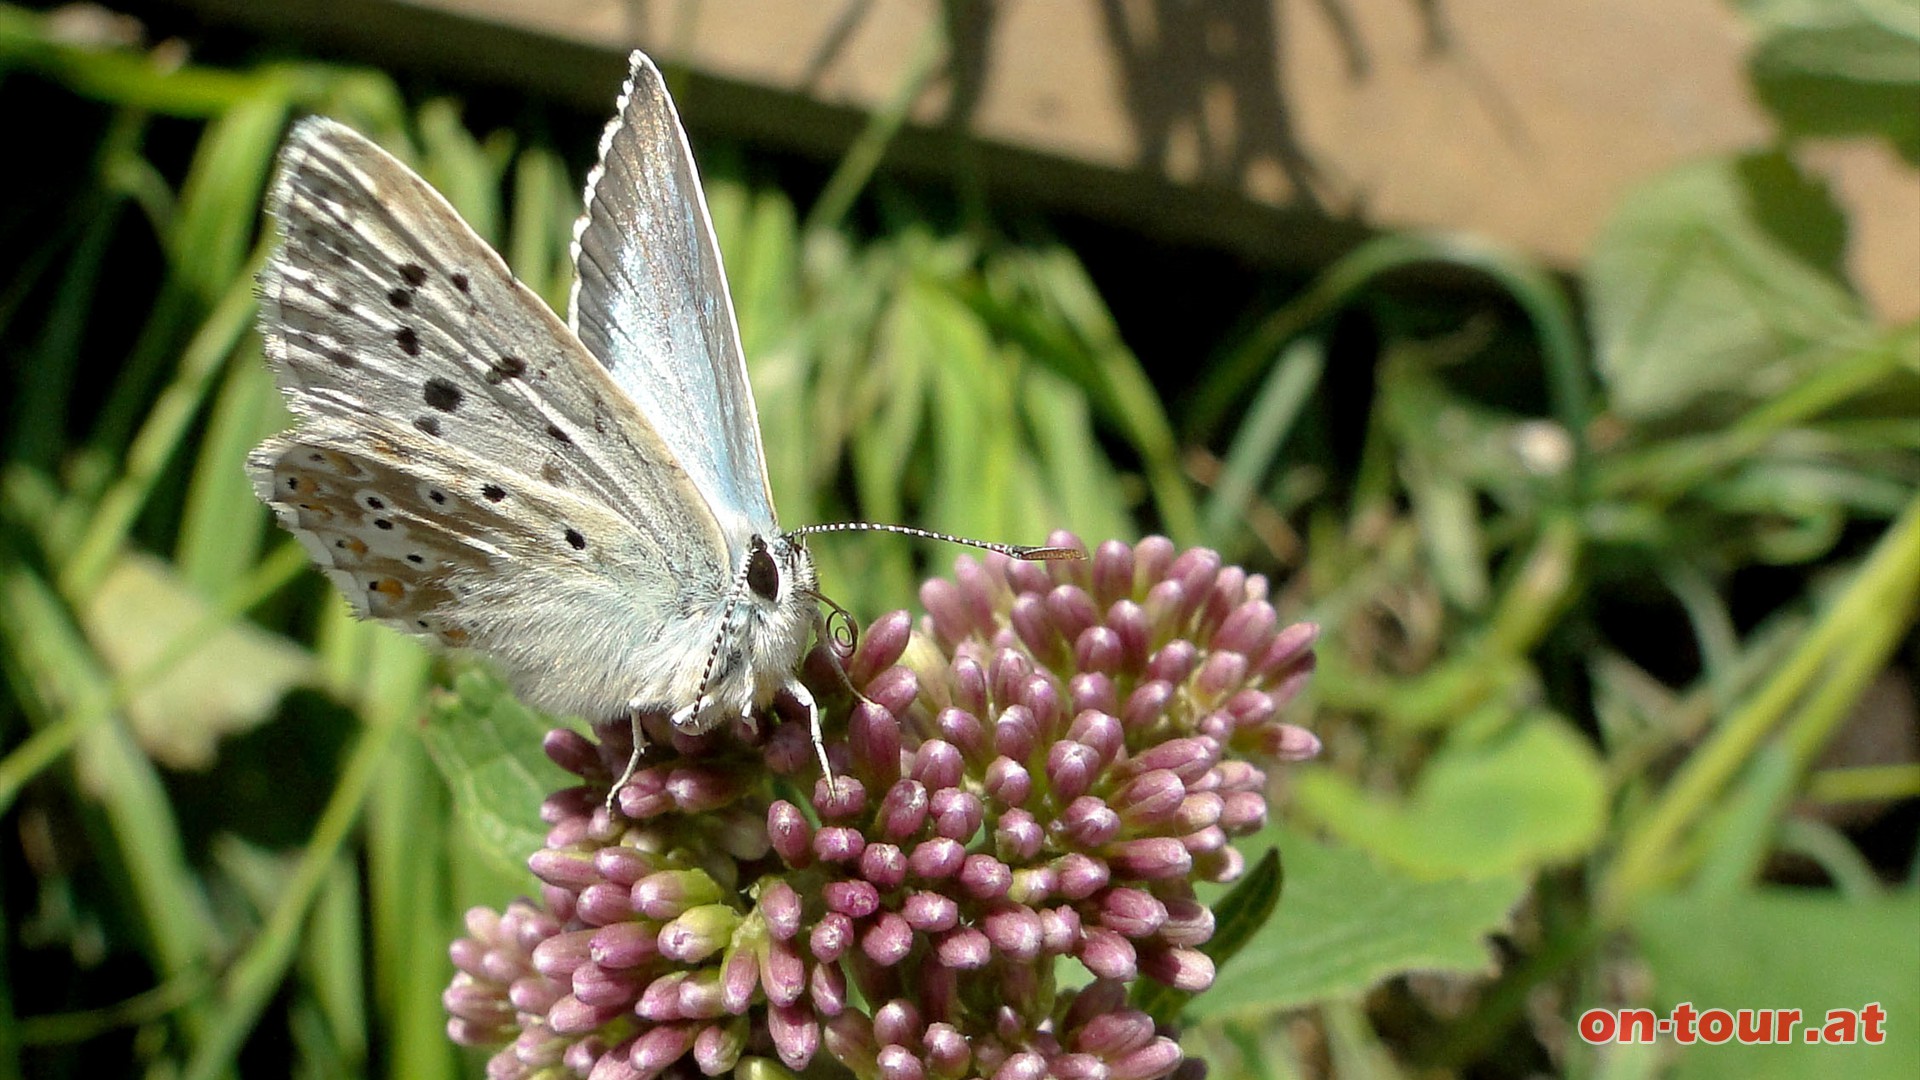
778, 575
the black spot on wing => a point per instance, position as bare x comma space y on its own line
400, 298
459, 282
577, 541
553, 431
493, 492
413, 274
442, 394
507, 367
428, 424
408, 340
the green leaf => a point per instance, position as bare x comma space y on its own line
1350, 922
488, 746
1841, 67
1786, 949
1717, 283
1534, 795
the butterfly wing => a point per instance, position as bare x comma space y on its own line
650, 301
439, 542
385, 315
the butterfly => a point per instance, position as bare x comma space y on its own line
585, 502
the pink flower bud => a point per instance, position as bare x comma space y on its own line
567, 869
854, 899
984, 877
1081, 875
1008, 782
699, 933
717, 1048
1152, 858
782, 909
1106, 953
658, 1047
790, 834
1071, 768
1099, 649
624, 945
1147, 705
1059, 930
783, 975
896, 1062
1013, 930
1248, 629
1112, 572
604, 989
956, 813
936, 858
1025, 1065
622, 865
603, 904
1072, 611
571, 1016
1189, 922
1150, 799
882, 644
841, 798
947, 1053
557, 956
668, 893
964, 948
827, 986
888, 940
838, 844
873, 736
1157, 1058
898, 1021
1015, 734
885, 865
930, 912
1181, 968
831, 937
903, 810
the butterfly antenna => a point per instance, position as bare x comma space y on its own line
841, 626
1025, 553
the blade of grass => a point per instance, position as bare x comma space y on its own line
161, 434
58, 675
256, 975
1262, 434
1850, 642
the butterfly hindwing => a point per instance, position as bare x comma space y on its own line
576, 603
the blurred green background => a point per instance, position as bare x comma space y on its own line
1617, 570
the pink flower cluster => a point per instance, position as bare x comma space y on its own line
1043, 771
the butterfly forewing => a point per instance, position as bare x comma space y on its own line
407, 314
650, 301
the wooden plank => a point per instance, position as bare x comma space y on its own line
1283, 131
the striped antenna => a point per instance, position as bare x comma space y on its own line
1013, 551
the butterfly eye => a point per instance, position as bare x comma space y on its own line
763, 574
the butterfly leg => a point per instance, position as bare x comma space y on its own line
639, 747
805, 697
